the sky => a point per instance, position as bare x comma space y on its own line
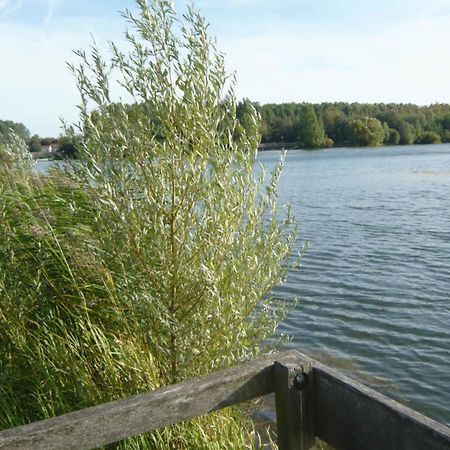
281, 50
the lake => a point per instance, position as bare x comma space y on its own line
374, 285
375, 282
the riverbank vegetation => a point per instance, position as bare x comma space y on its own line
304, 125
351, 124
62, 147
300, 125
153, 259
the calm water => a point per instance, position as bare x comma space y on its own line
43, 165
375, 283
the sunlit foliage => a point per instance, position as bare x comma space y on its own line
153, 259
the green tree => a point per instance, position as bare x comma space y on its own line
208, 217
3, 155
8, 127
445, 120
445, 136
280, 122
309, 129
16, 157
333, 118
407, 133
366, 132
46, 141
245, 114
428, 137
68, 148
35, 144
393, 137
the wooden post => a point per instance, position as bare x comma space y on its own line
294, 407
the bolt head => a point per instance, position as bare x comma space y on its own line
300, 381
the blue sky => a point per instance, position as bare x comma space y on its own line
282, 50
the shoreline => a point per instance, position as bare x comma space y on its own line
267, 146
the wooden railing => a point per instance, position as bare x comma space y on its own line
311, 400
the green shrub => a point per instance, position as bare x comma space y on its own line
366, 131
393, 137
328, 142
151, 261
428, 137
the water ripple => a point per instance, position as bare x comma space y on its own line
374, 286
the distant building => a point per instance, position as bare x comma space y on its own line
51, 148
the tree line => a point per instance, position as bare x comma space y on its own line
343, 124
64, 146
304, 125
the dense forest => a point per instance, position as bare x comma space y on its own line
350, 124
304, 125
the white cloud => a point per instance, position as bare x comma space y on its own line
49, 14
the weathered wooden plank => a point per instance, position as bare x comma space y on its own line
294, 407
347, 414
350, 416
110, 422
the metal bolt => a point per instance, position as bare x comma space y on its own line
300, 381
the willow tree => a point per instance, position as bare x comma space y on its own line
158, 253
193, 235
